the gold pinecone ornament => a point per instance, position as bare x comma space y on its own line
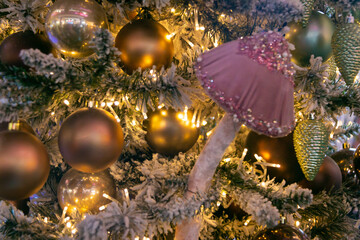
346, 49
308, 8
310, 140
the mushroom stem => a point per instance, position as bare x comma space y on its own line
204, 169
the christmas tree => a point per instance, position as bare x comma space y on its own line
189, 119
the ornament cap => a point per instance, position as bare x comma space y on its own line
346, 145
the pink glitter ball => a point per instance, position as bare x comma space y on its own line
252, 78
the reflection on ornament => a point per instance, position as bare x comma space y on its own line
70, 25
282, 232
314, 39
170, 132
84, 191
345, 160
143, 44
90, 140
24, 165
278, 151
11, 47
19, 125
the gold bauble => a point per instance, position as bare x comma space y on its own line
84, 191
90, 140
143, 44
70, 26
314, 39
24, 165
19, 125
170, 132
281, 232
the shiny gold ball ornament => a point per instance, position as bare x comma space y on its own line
314, 39
24, 165
90, 140
310, 140
20, 125
281, 232
170, 132
84, 191
346, 47
70, 26
144, 43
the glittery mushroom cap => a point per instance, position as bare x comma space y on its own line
252, 78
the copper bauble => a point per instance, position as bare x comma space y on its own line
169, 133
71, 25
21, 205
24, 165
282, 232
357, 162
328, 178
345, 160
143, 44
20, 125
10, 48
277, 151
90, 140
314, 39
84, 191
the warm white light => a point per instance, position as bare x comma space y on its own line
297, 223
172, 10
66, 102
68, 224
102, 208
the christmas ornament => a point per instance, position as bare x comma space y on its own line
20, 125
328, 178
278, 151
24, 165
11, 47
345, 160
71, 25
251, 78
281, 232
90, 140
345, 44
331, 70
357, 162
308, 8
144, 43
170, 132
21, 205
84, 191
314, 39
310, 140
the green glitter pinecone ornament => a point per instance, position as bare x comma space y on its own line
310, 141
346, 48
308, 8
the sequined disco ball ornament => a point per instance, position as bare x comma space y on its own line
314, 39
281, 232
90, 140
277, 151
346, 47
84, 191
345, 160
143, 44
252, 78
70, 26
328, 178
11, 47
170, 132
24, 165
310, 140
